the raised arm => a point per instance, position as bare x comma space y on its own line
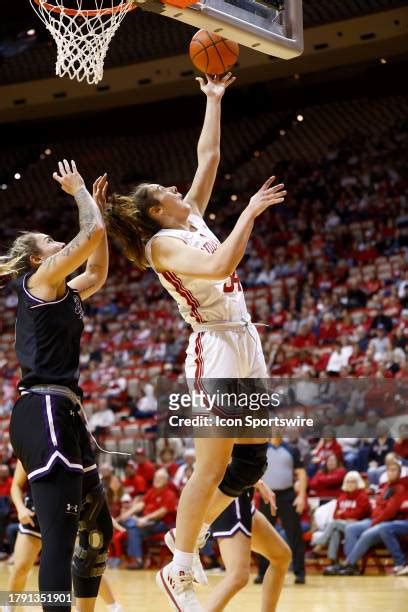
97, 265
208, 149
171, 254
54, 270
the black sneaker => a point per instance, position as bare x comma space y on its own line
349, 570
258, 579
300, 580
332, 570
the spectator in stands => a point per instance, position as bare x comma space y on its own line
392, 531
381, 321
325, 447
101, 418
401, 444
362, 535
176, 444
133, 483
145, 468
117, 385
114, 495
372, 421
351, 505
154, 514
351, 427
88, 385
166, 461
105, 474
389, 459
5, 505
189, 457
119, 538
327, 481
378, 449
339, 358
403, 285
356, 297
147, 405
380, 346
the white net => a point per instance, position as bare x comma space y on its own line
82, 32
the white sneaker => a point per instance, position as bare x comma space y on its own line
198, 570
178, 588
403, 571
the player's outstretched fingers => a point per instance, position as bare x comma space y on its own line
275, 188
267, 183
61, 169
67, 167
57, 177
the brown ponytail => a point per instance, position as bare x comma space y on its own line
17, 260
127, 219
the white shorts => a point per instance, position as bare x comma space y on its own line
225, 354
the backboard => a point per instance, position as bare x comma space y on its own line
258, 24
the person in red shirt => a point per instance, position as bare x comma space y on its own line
362, 535
328, 329
5, 505
352, 505
304, 338
325, 447
145, 468
328, 480
401, 444
133, 483
392, 531
154, 514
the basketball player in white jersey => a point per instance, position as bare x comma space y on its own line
157, 227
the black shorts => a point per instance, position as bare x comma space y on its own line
30, 530
237, 517
46, 430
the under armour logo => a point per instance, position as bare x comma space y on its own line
72, 508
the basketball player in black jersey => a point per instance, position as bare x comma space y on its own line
47, 431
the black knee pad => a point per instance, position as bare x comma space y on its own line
95, 534
248, 463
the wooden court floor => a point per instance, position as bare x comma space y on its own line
137, 591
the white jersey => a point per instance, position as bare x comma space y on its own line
201, 300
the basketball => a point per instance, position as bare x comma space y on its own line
212, 54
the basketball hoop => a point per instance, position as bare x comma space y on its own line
82, 35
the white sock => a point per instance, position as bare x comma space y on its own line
114, 607
182, 561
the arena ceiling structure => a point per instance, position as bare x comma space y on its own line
148, 60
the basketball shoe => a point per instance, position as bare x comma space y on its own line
198, 571
178, 588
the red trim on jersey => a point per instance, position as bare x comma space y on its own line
199, 357
185, 293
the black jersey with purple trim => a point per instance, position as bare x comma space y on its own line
48, 336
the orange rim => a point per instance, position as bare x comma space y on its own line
92, 13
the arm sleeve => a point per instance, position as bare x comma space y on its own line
391, 508
297, 460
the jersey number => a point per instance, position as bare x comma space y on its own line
233, 280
